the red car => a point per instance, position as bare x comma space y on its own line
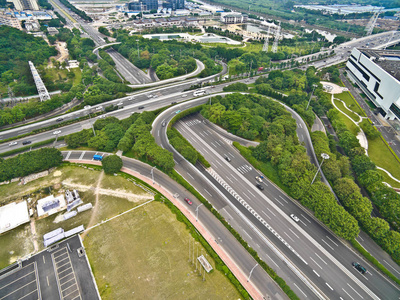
188, 201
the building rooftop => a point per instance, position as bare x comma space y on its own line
388, 60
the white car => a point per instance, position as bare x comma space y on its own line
120, 104
294, 217
87, 107
57, 132
259, 179
12, 144
150, 96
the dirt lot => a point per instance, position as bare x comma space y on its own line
380, 23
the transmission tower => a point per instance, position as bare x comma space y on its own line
371, 24
276, 40
265, 46
41, 88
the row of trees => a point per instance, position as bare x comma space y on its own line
79, 12
386, 199
29, 163
168, 58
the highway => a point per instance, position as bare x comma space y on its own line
321, 258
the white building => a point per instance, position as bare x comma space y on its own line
377, 73
25, 4
10, 20
233, 18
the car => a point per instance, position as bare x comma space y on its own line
259, 179
178, 111
99, 108
227, 157
259, 186
184, 95
120, 104
140, 107
59, 119
87, 107
26, 142
163, 124
150, 96
12, 144
359, 267
213, 86
294, 217
188, 201
155, 96
173, 102
57, 132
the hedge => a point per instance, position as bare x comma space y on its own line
22, 149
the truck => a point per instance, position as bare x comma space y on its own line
97, 157
260, 69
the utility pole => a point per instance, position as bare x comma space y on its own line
251, 271
197, 211
152, 174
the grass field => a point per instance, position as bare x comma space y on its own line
389, 180
349, 124
249, 47
15, 244
351, 104
343, 108
145, 255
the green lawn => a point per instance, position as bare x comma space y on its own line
343, 108
349, 124
382, 157
350, 102
145, 255
389, 180
15, 244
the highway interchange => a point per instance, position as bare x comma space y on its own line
314, 262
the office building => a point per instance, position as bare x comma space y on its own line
377, 73
233, 18
174, 4
143, 5
25, 4
10, 20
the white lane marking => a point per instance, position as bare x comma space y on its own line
288, 236
347, 293
234, 177
246, 196
327, 285
159, 133
266, 214
391, 266
190, 175
299, 124
282, 198
208, 192
332, 241
218, 143
228, 213
300, 290
294, 233
47, 277
251, 193
320, 258
280, 202
44, 260
361, 238
201, 134
231, 154
327, 244
214, 145
218, 163
316, 263
306, 218
229, 179
355, 291
247, 234
205, 151
318, 275
271, 212
272, 260
303, 223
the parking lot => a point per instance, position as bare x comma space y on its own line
61, 271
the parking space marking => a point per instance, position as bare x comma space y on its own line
62, 260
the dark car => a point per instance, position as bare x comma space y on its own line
359, 267
26, 142
188, 201
227, 158
174, 102
140, 107
59, 119
259, 186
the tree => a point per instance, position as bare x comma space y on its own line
111, 164
362, 163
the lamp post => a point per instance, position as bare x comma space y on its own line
251, 271
324, 156
90, 122
197, 211
314, 86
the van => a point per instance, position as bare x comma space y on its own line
97, 157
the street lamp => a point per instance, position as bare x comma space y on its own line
90, 122
324, 156
197, 211
314, 86
251, 271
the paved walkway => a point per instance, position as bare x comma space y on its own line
253, 292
